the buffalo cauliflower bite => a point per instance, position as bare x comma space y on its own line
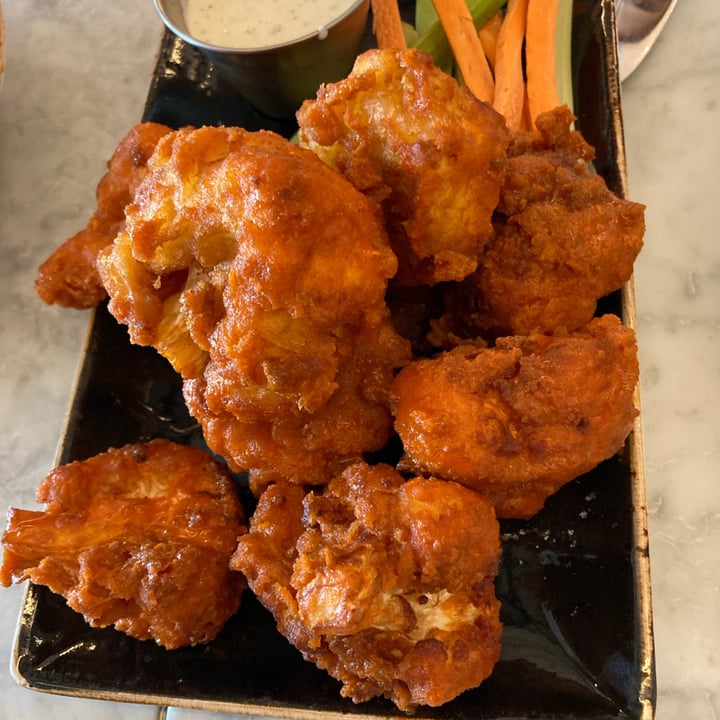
138, 537
409, 136
260, 274
517, 421
386, 584
562, 240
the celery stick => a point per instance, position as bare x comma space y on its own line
410, 33
563, 53
425, 15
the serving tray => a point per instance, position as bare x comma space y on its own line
574, 580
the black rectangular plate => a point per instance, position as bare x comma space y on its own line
574, 581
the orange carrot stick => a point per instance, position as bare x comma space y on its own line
509, 78
526, 122
488, 34
465, 43
540, 42
387, 24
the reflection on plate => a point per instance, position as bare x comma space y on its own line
574, 580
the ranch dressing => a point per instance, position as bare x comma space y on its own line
257, 23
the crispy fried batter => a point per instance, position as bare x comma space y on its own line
518, 421
137, 537
410, 137
390, 584
562, 240
260, 274
69, 277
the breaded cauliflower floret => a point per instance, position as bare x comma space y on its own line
409, 136
517, 421
562, 240
387, 584
137, 537
260, 274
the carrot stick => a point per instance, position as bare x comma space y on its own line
387, 24
540, 43
526, 122
465, 43
488, 34
509, 78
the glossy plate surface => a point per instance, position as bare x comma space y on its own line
574, 580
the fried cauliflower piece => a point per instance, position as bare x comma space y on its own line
260, 274
517, 421
69, 277
562, 240
411, 138
386, 584
138, 537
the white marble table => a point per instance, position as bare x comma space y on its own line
77, 74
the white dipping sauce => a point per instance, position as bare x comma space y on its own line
257, 23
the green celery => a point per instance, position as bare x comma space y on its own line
425, 16
410, 33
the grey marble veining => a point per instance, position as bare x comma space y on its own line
76, 76
672, 112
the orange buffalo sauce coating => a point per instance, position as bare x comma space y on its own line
137, 537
